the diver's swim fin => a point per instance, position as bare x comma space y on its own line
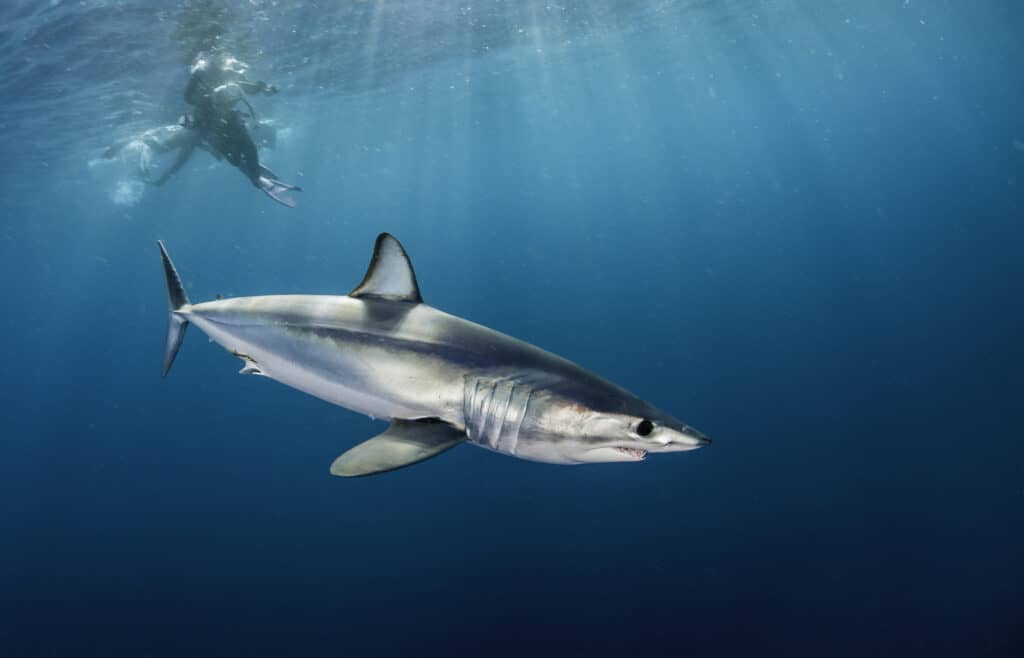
265, 172
275, 189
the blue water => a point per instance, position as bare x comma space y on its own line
794, 225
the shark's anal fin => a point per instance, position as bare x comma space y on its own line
405, 442
390, 275
250, 367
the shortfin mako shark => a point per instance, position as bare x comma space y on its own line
441, 380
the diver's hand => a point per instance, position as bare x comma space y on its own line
270, 90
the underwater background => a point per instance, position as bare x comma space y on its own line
795, 225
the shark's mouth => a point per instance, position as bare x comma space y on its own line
635, 453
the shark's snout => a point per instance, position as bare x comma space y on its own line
690, 439
700, 440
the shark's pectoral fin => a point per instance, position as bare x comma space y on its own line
405, 443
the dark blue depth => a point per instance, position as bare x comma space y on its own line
800, 233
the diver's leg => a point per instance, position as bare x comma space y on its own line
242, 152
183, 155
251, 161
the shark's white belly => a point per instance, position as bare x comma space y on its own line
378, 381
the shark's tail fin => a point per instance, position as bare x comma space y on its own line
176, 300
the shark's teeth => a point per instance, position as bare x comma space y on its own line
635, 452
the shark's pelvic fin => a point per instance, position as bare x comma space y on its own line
176, 299
405, 443
390, 275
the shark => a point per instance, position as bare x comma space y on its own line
439, 379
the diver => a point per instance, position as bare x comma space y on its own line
143, 146
216, 85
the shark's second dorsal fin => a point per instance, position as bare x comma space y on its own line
390, 275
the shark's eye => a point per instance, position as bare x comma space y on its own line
644, 427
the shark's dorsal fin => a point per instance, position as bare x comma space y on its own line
390, 275
405, 443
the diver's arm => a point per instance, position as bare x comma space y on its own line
183, 155
256, 87
191, 95
194, 92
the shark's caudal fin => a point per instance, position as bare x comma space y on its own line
405, 443
176, 299
390, 275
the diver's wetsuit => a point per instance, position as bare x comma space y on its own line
213, 91
214, 88
227, 136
